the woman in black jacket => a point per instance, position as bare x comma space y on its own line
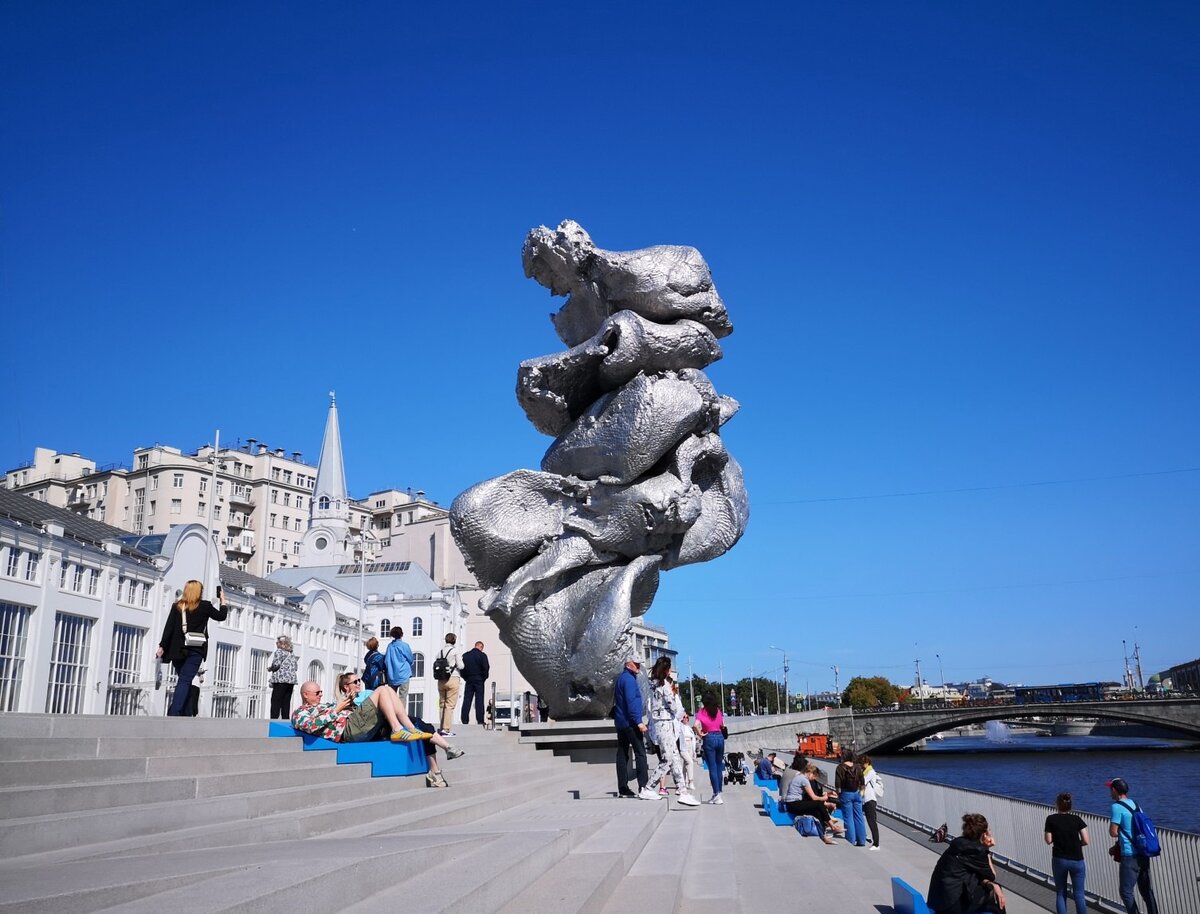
187, 622
964, 880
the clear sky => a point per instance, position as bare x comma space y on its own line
958, 243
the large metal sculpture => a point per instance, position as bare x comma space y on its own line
637, 480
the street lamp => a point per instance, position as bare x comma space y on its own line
786, 696
361, 544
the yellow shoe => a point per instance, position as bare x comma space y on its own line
408, 736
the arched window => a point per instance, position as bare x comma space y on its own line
324, 503
418, 665
417, 626
315, 671
385, 626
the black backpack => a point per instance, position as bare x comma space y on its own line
441, 668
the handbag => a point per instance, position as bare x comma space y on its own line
1115, 851
191, 639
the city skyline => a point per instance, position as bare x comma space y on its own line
956, 244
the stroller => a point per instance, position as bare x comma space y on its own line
735, 771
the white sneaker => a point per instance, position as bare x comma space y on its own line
716, 801
685, 799
874, 847
649, 793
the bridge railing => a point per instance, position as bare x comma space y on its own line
1019, 826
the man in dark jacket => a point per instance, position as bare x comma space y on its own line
629, 718
475, 670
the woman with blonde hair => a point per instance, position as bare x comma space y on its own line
283, 678
185, 638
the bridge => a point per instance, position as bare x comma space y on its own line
889, 731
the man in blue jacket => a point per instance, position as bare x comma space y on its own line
399, 661
628, 715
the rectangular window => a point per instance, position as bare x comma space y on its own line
14, 624
153, 506
271, 543
14, 561
287, 499
154, 482
123, 696
299, 501
275, 473
416, 705
177, 481
143, 461
216, 512
130, 586
270, 567
201, 508
296, 548
145, 600
63, 570
274, 496
296, 523
287, 476
31, 566
176, 505
203, 484
77, 579
68, 664
93, 581
257, 705
220, 486
139, 508
224, 703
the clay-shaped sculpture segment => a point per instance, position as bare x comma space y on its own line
636, 481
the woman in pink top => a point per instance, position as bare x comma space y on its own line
709, 724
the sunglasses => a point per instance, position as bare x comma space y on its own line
353, 681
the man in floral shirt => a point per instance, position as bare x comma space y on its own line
347, 721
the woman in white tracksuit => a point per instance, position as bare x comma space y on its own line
664, 706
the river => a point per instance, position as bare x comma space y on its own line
1163, 775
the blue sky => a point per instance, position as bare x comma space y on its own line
958, 243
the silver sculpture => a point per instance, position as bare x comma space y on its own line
636, 481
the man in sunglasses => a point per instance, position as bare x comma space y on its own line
347, 721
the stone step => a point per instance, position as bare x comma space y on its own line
653, 881
25, 726
84, 747
273, 814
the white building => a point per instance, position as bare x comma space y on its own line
83, 604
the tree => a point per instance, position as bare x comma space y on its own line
870, 692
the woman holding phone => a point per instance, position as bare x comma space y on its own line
185, 638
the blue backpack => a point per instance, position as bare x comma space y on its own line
373, 674
807, 827
1144, 837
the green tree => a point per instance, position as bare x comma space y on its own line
870, 692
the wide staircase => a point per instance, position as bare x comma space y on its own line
197, 815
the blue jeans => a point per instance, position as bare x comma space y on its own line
850, 802
1135, 870
185, 670
713, 750
1077, 870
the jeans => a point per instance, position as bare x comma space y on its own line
631, 738
185, 670
850, 802
1135, 870
1077, 870
713, 750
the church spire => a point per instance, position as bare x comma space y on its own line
327, 541
331, 471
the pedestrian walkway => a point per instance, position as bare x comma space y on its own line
151, 814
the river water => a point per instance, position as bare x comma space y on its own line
1163, 776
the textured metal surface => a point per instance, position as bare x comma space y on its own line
636, 481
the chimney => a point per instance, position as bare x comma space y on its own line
296, 456
278, 452
262, 449
250, 442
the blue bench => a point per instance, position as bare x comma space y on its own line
906, 899
773, 783
771, 806
387, 759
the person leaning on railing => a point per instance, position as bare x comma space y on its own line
964, 879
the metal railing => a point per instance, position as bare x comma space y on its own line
1019, 827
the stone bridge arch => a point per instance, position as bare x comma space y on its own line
889, 731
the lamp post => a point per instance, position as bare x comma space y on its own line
836, 691
362, 585
941, 676
920, 691
786, 696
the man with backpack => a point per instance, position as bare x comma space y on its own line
1138, 843
445, 670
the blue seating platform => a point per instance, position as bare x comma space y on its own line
773, 783
906, 899
387, 759
771, 806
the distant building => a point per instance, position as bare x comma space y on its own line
1183, 677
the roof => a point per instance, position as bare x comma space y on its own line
380, 578
26, 510
241, 580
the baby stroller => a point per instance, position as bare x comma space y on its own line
735, 772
